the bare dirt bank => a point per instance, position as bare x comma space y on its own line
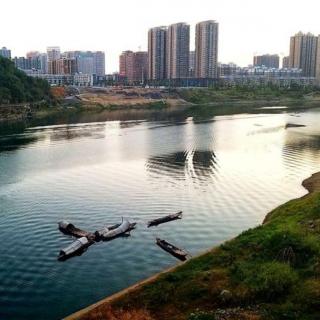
312, 184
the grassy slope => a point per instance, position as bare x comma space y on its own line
269, 272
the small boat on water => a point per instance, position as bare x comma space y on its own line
115, 231
76, 247
68, 228
168, 218
173, 250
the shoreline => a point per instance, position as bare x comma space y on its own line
13, 114
311, 184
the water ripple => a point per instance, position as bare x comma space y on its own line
223, 173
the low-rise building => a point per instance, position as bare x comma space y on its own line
263, 76
228, 69
78, 79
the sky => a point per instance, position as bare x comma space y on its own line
246, 27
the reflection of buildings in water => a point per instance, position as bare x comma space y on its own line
130, 124
76, 132
298, 149
192, 163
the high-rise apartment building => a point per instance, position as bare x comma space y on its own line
85, 64
318, 62
303, 53
125, 63
177, 51
88, 62
133, 66
157, 39
206, 47
62, 66
84, 60
267, 60
43, 62
53, 53
66, 66
192, 63
99, 68
52, 66
140, 66
21, 63
6, 53
285, 62
33, 58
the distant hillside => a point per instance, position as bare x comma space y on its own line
17, 87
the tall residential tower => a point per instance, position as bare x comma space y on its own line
318, 62
157, 38
303, 53
206, 48
177, 51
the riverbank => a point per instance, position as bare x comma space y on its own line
98, 100
269, 272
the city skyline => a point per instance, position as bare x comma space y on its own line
245, 30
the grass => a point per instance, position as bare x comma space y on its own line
248, 94
269, 272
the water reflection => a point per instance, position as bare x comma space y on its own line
221, 175
299, 147
130, 124
75, 132
303, 142
183, 164
10, 143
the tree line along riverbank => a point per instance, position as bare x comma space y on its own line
268, 272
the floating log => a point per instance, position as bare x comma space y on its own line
168, 218
68, 228
173, 250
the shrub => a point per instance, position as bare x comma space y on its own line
201, 315
303, 248
266, 280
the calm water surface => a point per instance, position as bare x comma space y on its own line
224, 172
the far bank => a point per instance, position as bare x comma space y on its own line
110, 101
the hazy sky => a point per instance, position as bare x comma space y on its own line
246, 26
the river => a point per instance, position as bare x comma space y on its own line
224, 172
